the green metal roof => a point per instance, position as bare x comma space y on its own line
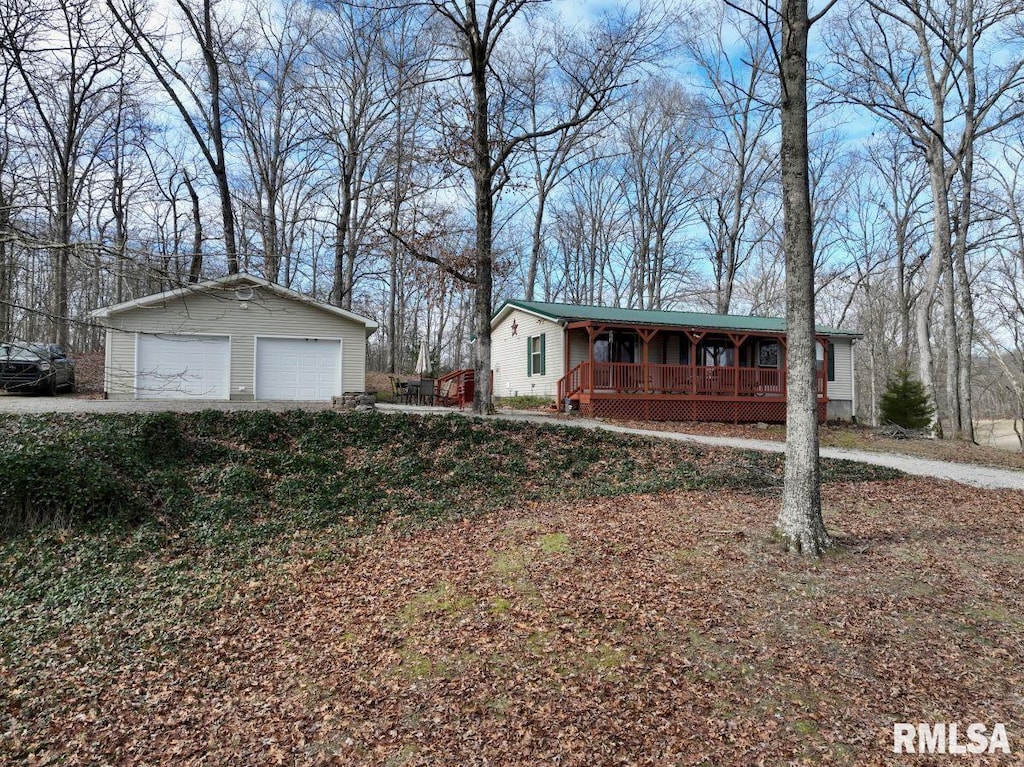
615, 316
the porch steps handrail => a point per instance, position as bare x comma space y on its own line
571, 383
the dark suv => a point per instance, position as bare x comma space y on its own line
28, 366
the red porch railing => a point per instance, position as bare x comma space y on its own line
680, 380
570, 384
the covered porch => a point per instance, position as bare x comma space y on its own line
680, 374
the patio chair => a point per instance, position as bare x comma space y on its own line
446, 397
425, 393
397, 388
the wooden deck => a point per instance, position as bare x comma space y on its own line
680, 392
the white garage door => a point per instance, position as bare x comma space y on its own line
306, 369
182, 367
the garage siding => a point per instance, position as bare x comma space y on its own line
220, 312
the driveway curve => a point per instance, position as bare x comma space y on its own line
965, 473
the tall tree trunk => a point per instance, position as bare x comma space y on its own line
800, 525
7, 272
922, 329
483, 186
951, 343
902, 296
966, 329
220, 169
60, 329
271, 237
341, 295
537, 242
195, 269
965, 302
937, 270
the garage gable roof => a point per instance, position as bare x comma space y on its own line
240, 280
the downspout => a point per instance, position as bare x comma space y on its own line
108, 358
853, 378
563, 380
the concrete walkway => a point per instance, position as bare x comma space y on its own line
964, 473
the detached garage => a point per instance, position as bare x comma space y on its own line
235, 338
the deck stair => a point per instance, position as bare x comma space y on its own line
455, 388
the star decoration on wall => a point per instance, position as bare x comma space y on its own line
515, 328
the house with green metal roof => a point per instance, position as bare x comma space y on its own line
661, 365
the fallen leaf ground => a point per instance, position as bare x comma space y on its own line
657, 629
649, 630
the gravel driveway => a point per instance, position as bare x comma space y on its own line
967, 474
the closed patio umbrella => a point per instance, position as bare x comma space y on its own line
423, 361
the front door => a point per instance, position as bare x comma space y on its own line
625, 347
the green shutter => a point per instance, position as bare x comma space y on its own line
529, 356
831, 361
543, 355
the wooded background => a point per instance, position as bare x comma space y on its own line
330, 147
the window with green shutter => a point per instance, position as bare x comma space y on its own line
536, 353
831, 361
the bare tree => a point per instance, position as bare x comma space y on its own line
885, 231
741, 113
353, 103
11, 193
194, 87
477, 32
65, 57
661, 135
590, 228
552, 157
1002, 324
800, 523
267, 75
919, 67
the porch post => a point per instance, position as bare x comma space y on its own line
647, 376
737, 341
590, 370
785, 364
647, 335
694, 339
824, 367
693, 365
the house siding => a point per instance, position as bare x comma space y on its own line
508, 356
840, 391
579, 348
220, 313
842, 387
